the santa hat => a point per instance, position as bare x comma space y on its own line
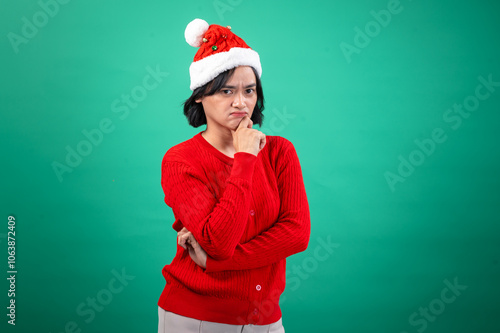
219, 50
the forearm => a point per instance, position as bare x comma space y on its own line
217, 225
288, 236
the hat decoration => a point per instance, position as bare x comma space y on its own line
219, 50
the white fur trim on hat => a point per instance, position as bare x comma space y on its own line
208, 68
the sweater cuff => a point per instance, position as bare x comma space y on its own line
243, 165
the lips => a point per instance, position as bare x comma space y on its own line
238, 114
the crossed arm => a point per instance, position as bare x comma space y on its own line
287, 236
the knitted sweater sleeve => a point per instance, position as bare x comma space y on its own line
288, 235
216, 225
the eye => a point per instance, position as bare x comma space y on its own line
250, 90
226, 91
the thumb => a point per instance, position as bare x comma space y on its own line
249, 123
245, 123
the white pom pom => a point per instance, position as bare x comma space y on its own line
195, 31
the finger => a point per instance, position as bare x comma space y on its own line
183, 238
186, 236
192, 241
182, 232
181, 243
244, 123
262, 141
189, 239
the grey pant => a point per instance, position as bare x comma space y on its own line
169, 322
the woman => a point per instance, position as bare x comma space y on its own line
237, 195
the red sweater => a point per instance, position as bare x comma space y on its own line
248, 213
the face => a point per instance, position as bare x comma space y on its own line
233, 101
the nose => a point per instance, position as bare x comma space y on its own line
239, 101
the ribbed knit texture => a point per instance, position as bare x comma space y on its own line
221, 37
248, 213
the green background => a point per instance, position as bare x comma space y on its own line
352, 119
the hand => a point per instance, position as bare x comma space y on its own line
186, 239
247, 139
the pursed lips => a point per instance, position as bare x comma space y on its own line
238, 113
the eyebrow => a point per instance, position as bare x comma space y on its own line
233, 87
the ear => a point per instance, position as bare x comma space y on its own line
198, 100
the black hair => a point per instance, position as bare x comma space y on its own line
194, 111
